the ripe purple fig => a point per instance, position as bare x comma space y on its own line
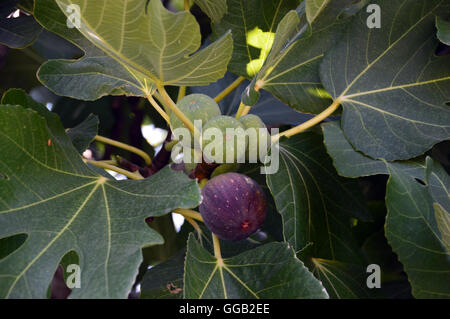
233, 206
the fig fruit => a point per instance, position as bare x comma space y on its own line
259, 140
227, 139
194, 107
233, 206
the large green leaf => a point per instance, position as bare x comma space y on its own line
131, 47
291, 71
351, 163
412, 221
332, 254
392, 86
94, 75
269, 271
412, 231
215, 9
316, 204
153, 46
253, 23
77, 210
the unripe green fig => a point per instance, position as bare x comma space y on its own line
223, 137
194, 107
258, 138
233, 207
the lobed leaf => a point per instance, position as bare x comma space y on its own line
392, 86
129, 48
351, 163
269, 271
152, 43
412, 231
77, 210
94, 75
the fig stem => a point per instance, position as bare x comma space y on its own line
229, 89
181, 93
246, 110
102, 164
195, 225
158, 109
186, 5
217, 252
239, 111
173, 107
162, 102
242, 111
310, 123
124, 146
189, 213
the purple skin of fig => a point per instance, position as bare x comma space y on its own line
233, 206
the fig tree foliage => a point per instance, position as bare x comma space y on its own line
359, 92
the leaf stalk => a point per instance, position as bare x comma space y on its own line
189, 213
124, 146
173, 107
310, 123
101, 164
158, 109
217, 251
229, 89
